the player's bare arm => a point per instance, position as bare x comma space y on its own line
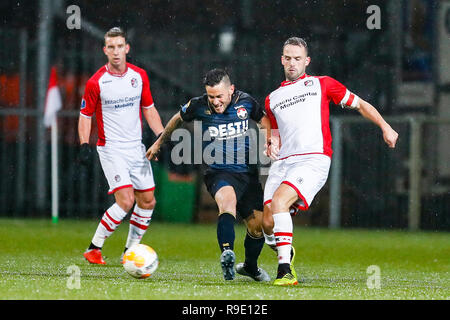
274, 144
369, 112
173, 123
153, 120
84, 132
84, 129
269, 151
264, 123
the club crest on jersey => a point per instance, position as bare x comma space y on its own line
308, 83
134, 82
242, 113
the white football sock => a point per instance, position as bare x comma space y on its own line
282, 230
110, 221
139, 221
269, 239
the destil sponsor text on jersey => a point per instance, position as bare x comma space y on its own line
229, 130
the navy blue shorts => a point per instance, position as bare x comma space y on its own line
248, 189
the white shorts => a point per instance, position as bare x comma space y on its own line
306, 174
125, 167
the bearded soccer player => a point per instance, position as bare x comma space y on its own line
299, 115
224, 113
117, 94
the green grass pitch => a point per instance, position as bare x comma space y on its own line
36, 258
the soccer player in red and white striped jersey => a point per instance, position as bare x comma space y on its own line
301, 141
118, 94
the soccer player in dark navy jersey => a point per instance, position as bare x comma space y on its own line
230, 177
225, 130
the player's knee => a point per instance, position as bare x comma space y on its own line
267, 224
279, 205
227, 205
255, 231
148, 204
226, 199
125, 198
254, 224
152, 203
126, 203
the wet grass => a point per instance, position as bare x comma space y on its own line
36, 256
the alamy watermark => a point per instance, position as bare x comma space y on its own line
74, 280
374, 278
374, 20
73, 21
229, 144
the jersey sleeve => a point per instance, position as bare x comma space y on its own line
257, 111
187, 111
339, 94
273, 121
146, 95
90, 99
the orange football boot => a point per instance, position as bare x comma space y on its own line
94, 256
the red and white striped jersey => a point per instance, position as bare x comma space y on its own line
300, 111
116, 100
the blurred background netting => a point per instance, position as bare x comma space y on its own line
402, 68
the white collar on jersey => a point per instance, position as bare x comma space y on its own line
288, 82
115, 74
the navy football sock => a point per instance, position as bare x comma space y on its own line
253, 247
225, 231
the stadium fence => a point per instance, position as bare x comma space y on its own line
370, 185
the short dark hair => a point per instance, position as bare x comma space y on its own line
115, 32
215, 76
296, 41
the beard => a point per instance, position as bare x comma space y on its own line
220, 109
291, 76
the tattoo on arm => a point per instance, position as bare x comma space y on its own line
173, 123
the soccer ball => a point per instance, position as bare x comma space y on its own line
140, 261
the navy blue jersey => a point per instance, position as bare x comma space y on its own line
226, 141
